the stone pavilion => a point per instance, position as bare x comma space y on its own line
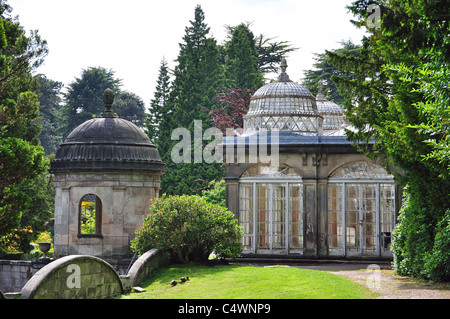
106, 172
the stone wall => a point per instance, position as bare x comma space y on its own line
14, 274
125, 199
147, 263
74, 277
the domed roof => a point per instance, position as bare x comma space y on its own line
333, 115
285, 106
107, 143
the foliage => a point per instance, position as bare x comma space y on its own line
21, 157
233, 105
398, 97
88, 221
216, 193
157, 121
189, 228
324, 70
84, 100
84, 97
270, 53
49, 108
206, 73
241, 62
11, 242
197, 76
129, 106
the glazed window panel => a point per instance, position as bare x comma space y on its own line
246, 214
352, 217
367, 210
387, 215
368, 217
335, 234
263, 215
276, 225
296, 216
278, 216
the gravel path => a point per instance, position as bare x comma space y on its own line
391, 286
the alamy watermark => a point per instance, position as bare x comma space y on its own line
374, 278
374, 19
74, 279
256, 148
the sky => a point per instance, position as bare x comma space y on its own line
131, 37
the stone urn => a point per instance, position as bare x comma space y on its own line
44, 247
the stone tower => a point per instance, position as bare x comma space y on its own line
106, 173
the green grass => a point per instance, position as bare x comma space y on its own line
246, 282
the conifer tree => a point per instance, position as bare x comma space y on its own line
241, 63
324, 70
84, 97
399, 98
197, 76
157, 122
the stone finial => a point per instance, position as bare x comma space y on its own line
320, 86
283, 77
320, 96
108, 99
283, 65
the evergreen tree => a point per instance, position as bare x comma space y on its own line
197, 76
84, 97
157, 122
84, 100
131, 107
324, 70
22, 159
398, 98
241, 63
49, 105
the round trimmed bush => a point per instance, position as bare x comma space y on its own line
190, 228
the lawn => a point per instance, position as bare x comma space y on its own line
247, 282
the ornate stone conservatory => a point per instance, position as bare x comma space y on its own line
298, 188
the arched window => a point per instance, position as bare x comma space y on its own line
361, 210
90, 215
271, 209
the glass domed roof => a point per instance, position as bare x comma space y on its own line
333, 116
283, 105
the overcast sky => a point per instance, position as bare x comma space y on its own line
131, 37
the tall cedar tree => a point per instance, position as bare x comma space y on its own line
197, 76
324, 70
49, 106
241, 63
404, 57
21, 157
83, 99
156, 122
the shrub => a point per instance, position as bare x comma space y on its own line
189, 228
421, 239
437, 262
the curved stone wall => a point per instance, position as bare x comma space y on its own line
148, 262
74, 277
